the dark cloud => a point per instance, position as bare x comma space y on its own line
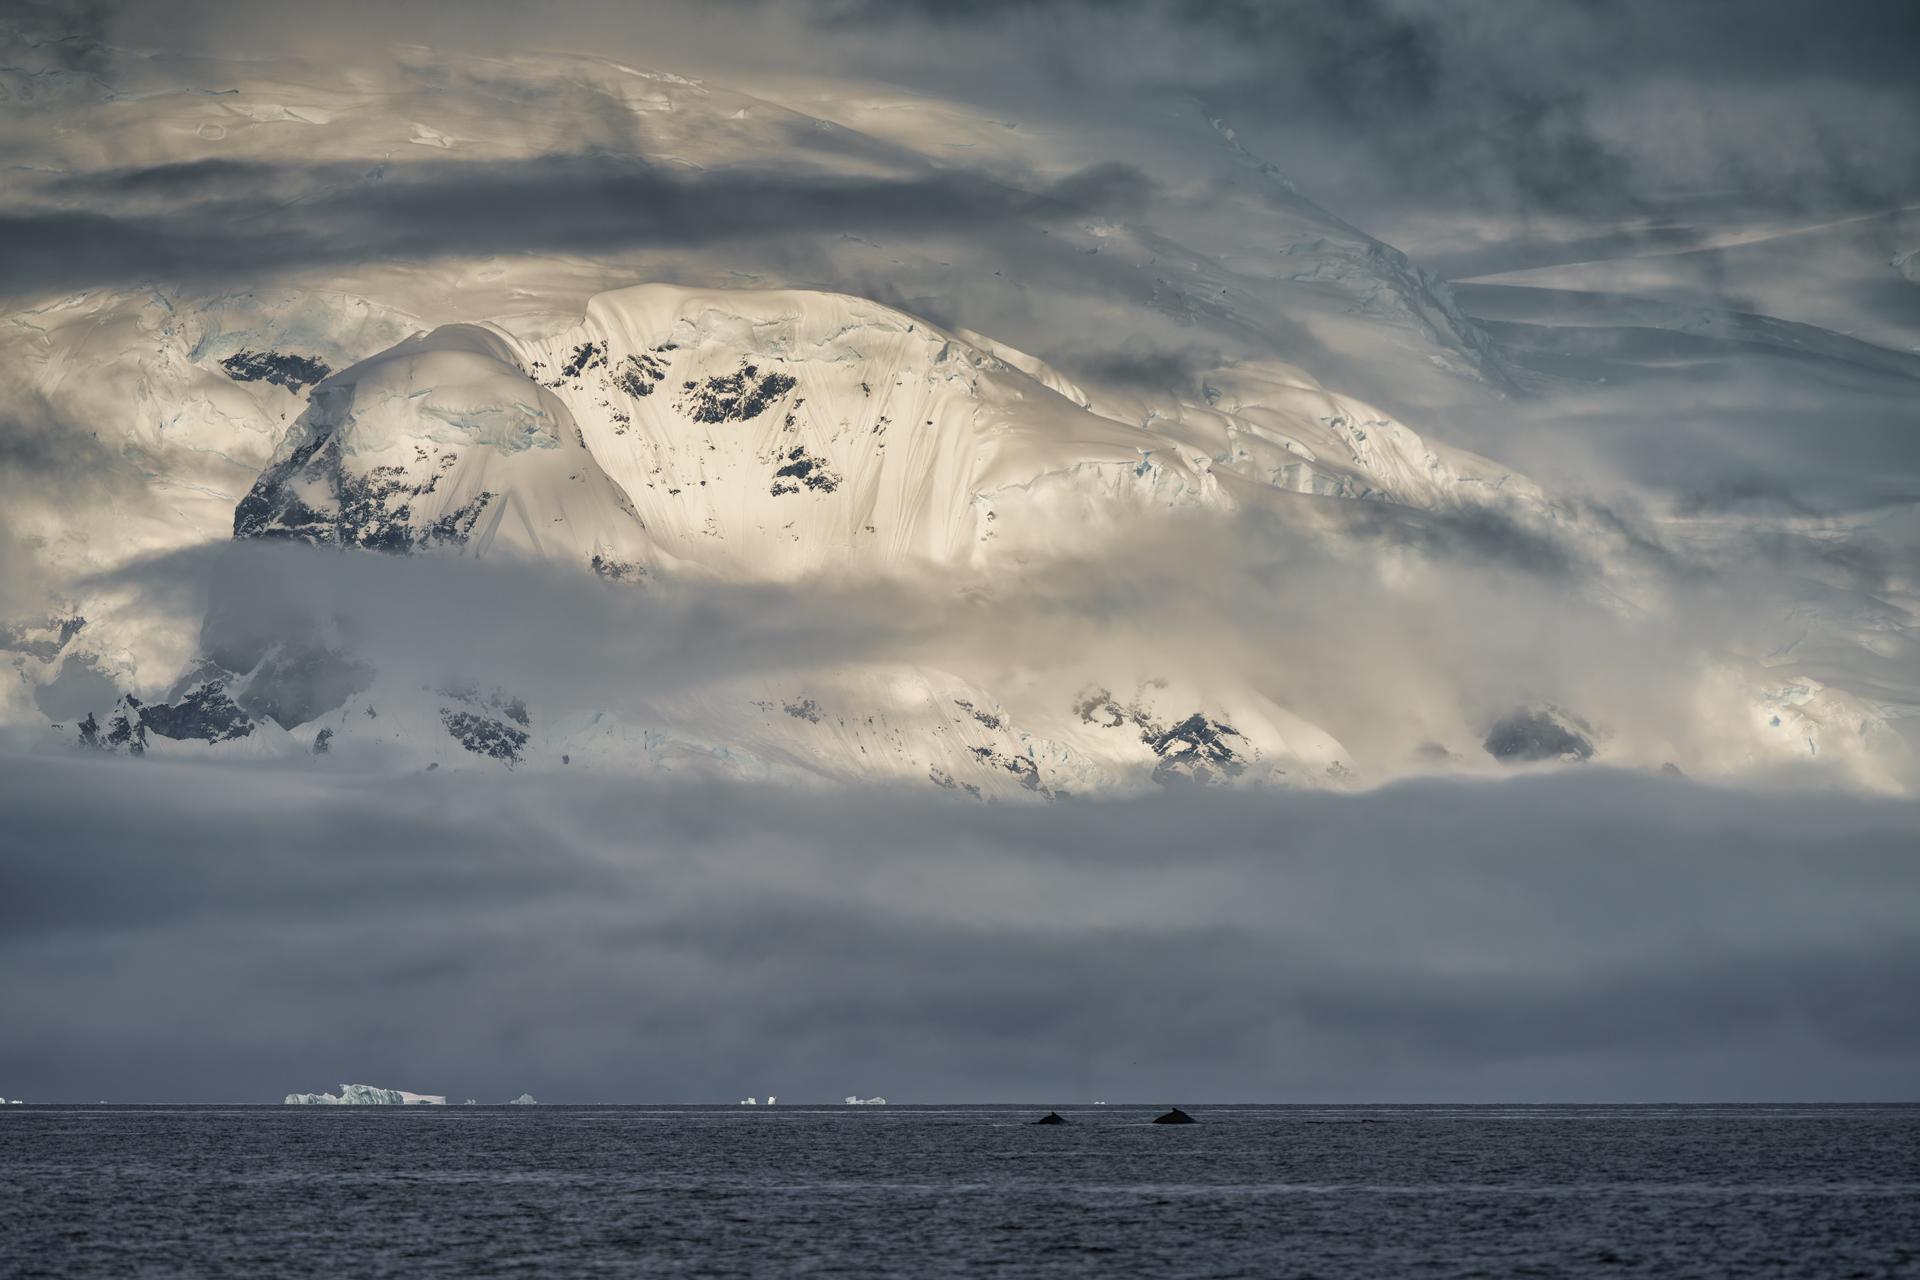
236, 933
1454, 535
1143, 366
68, 34
219, 219
1477, 104
51, 465
45, 455
1382, 103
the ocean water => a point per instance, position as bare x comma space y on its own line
912, 1191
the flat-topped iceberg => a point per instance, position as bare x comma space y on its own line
856, 1101
366, 1095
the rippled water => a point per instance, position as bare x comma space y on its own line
907, 1191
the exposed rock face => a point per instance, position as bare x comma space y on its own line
496, 727
205, 713
315, 497
800, 469
734, 397
444, 442
202, 713
1525, 736
280, 368
1196, 750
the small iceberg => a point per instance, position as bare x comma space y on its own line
366, 1095
525, 1100
854, 1101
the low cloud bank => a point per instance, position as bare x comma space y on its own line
181, 933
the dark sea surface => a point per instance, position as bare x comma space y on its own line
921, 1191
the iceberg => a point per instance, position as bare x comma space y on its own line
525, 1100
853, 1101
366, 1095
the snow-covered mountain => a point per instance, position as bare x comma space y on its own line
769, 433
772, 435
767, 423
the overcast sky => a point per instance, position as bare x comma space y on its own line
1600, 108
1733, 427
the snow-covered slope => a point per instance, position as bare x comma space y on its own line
777, 431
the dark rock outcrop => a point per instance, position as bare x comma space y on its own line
312, 496
639, 374
734, 397
485, 736
282, 369
1525, 736
1175, 1116
489, 728
1052, 1117
1196, 750
801, 470
203, 712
